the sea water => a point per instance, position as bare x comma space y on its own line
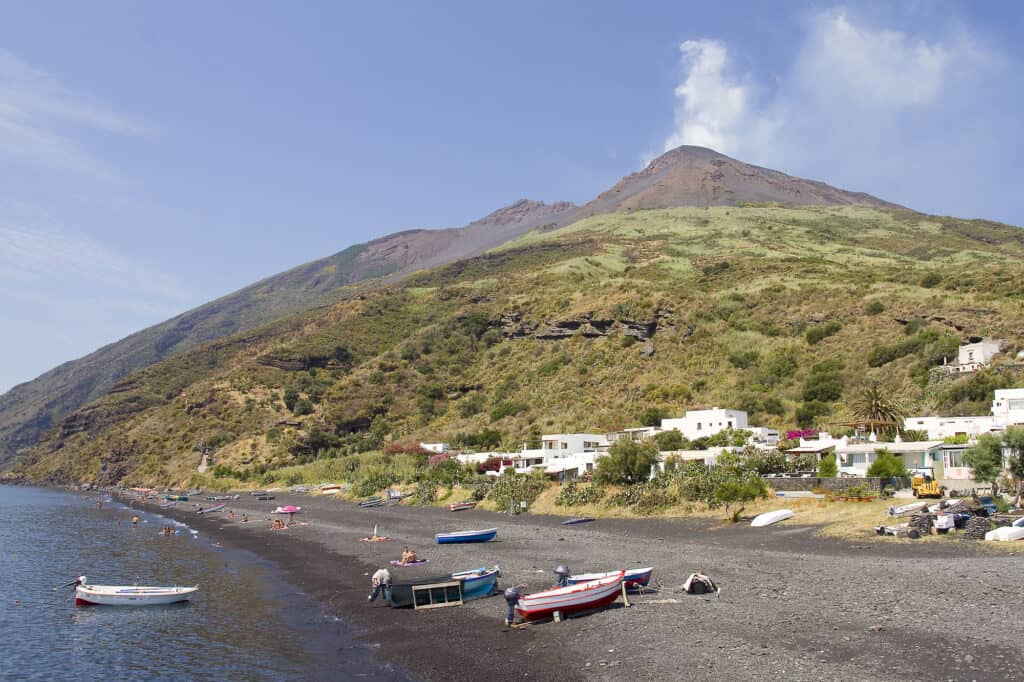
245, 623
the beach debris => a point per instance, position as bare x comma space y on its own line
698, 583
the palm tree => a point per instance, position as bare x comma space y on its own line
875, 403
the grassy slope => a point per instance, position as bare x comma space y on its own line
423, 366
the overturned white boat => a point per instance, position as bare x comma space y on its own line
1005, 534
129, 595
768, 518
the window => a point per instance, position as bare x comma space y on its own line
565, 446
698, 426
728, 425
1015, 404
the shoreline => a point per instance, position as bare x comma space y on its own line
793, 604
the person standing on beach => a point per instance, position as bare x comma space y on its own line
135, 521
381, 582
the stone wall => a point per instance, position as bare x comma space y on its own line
832, 484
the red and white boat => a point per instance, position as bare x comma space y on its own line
129, 595
582, 597
461, 506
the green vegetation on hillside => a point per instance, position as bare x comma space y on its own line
594, 327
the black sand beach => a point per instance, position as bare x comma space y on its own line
792, 605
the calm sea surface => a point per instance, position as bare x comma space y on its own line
246, 624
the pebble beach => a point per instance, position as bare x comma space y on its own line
792, 605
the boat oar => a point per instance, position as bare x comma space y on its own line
73, 582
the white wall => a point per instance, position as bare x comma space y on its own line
939, 428
1008, 406
700, 423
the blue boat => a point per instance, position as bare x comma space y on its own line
577, 519
478, 582
466, 536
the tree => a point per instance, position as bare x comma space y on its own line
652, 416
827, 467
671, 440
626, 462
876, 403
986, 458
291, 396
1013, 439
887, 465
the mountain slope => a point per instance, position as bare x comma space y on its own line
784, 312
27, 410
696, 176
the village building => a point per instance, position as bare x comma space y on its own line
940, 428
1008, 406
436, 447
702, 423
972, 357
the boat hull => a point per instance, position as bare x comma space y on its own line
461, 506
768, 518
572, 599
466, 536
126, 595
477, 583
1005, 534
634, 579
210, 510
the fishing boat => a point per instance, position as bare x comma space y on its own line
478, 582
461, 506
374, 501
466, 536
634, 578
176, 498
212, 508
905, 509
1005, 534
571, 599
768, 518
129, 595
577, 519
403, 594
168, 505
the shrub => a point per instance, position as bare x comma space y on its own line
772, 405
827, 467
652, 416
426, 493
816, 334
509, 408
373, 479
474, 404
302, 407
887, 465
626, 462
671, 440
916, 436
574, 495
932, 279
511, 488
488, 439
644, 498
874, 308
780, 364
809, 411
291, 396
727, 437
744, 358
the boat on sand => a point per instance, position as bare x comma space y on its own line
478, 582
634, 578
768, 518
1005, 534
211, 509
129, 595
571, 599
461, 506
466, 536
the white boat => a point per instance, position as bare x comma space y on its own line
768, 518
1006, 534
129, 595
905, 509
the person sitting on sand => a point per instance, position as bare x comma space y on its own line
245, 519
408, 557
381, 582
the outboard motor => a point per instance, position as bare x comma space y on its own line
562, 575
511, 595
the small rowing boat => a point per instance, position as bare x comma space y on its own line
768, 518
212, 508
461, 506
905, 509
374, 501
571, 599
577, 519
1005, 534
466, 536
478, 582
634, 578
176, 498
129, 595
397, 562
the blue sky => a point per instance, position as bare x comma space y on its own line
154, 156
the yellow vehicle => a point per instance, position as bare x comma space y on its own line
926, 486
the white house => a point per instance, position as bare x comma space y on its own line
856, 458
1008, 406
436, 447
700, 423
971, 357
948, 427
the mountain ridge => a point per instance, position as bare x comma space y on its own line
681, 177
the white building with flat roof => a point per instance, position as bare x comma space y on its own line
939, 428
971, 357
1008, 406
702, 423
